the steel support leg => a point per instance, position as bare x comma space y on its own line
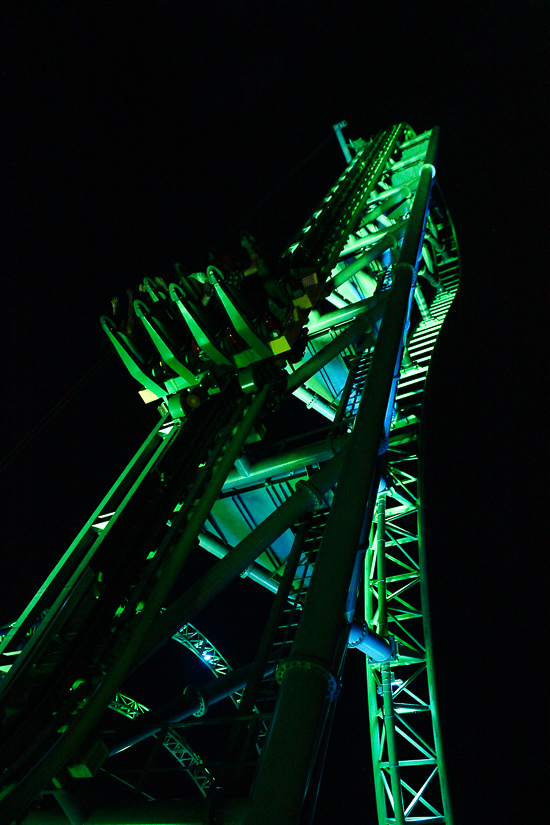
89, 716
381, 564
391, 741
284, 771
242, 555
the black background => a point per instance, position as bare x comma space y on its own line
140, 133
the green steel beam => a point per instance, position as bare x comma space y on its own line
119, 494
227, 569
83, 724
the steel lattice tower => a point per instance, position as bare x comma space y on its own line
312, 522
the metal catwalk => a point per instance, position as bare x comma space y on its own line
328, 524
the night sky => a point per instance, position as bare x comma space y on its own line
139, 134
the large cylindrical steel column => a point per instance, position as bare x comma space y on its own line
308, 677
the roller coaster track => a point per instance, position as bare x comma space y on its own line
308, 521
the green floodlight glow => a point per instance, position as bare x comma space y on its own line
272, 517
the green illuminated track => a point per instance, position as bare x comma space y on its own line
349, 320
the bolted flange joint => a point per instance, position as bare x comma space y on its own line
316, 496
334, 684
364, 631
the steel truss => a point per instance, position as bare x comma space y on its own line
405, 739
173, 741
301, 522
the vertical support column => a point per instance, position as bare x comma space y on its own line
381, 564
370, 612
385, 669
391, 742
308, 677
88, 717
